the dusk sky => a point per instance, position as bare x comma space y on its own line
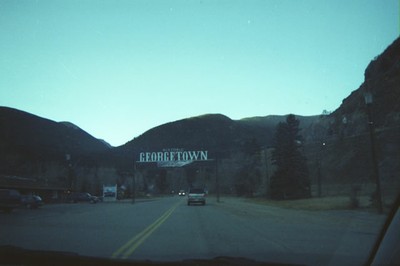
119, 68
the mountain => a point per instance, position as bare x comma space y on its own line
71, 125
382, 81
337, 146
212, 132
266, 125
340, 146
26, 138
20, 128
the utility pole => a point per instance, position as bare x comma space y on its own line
216, 176
319, 175
134, 183
368, 102
267, 177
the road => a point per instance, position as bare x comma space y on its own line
166, 229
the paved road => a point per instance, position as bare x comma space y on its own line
167, 229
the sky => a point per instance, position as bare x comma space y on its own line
118, 68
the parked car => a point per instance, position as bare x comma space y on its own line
76, 197
31, 201
9, 199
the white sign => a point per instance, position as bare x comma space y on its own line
173, 157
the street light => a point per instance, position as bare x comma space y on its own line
368, 101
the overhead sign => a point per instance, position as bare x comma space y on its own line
173, 157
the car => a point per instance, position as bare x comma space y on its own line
196, 195
76, 197
9, 199
31, 201
182, 193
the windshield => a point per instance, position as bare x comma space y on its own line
175, 130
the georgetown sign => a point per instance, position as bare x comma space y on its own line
173, 157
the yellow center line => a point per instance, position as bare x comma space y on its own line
129, 247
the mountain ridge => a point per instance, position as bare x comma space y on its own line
335, 144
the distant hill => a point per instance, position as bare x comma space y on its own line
266, 125
271, 121
345, 157
382, 79
213, 132
19, 128
337, 146
25, 138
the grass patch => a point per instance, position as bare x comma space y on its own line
313, 204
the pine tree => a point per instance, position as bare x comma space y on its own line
248, 178
290, 180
